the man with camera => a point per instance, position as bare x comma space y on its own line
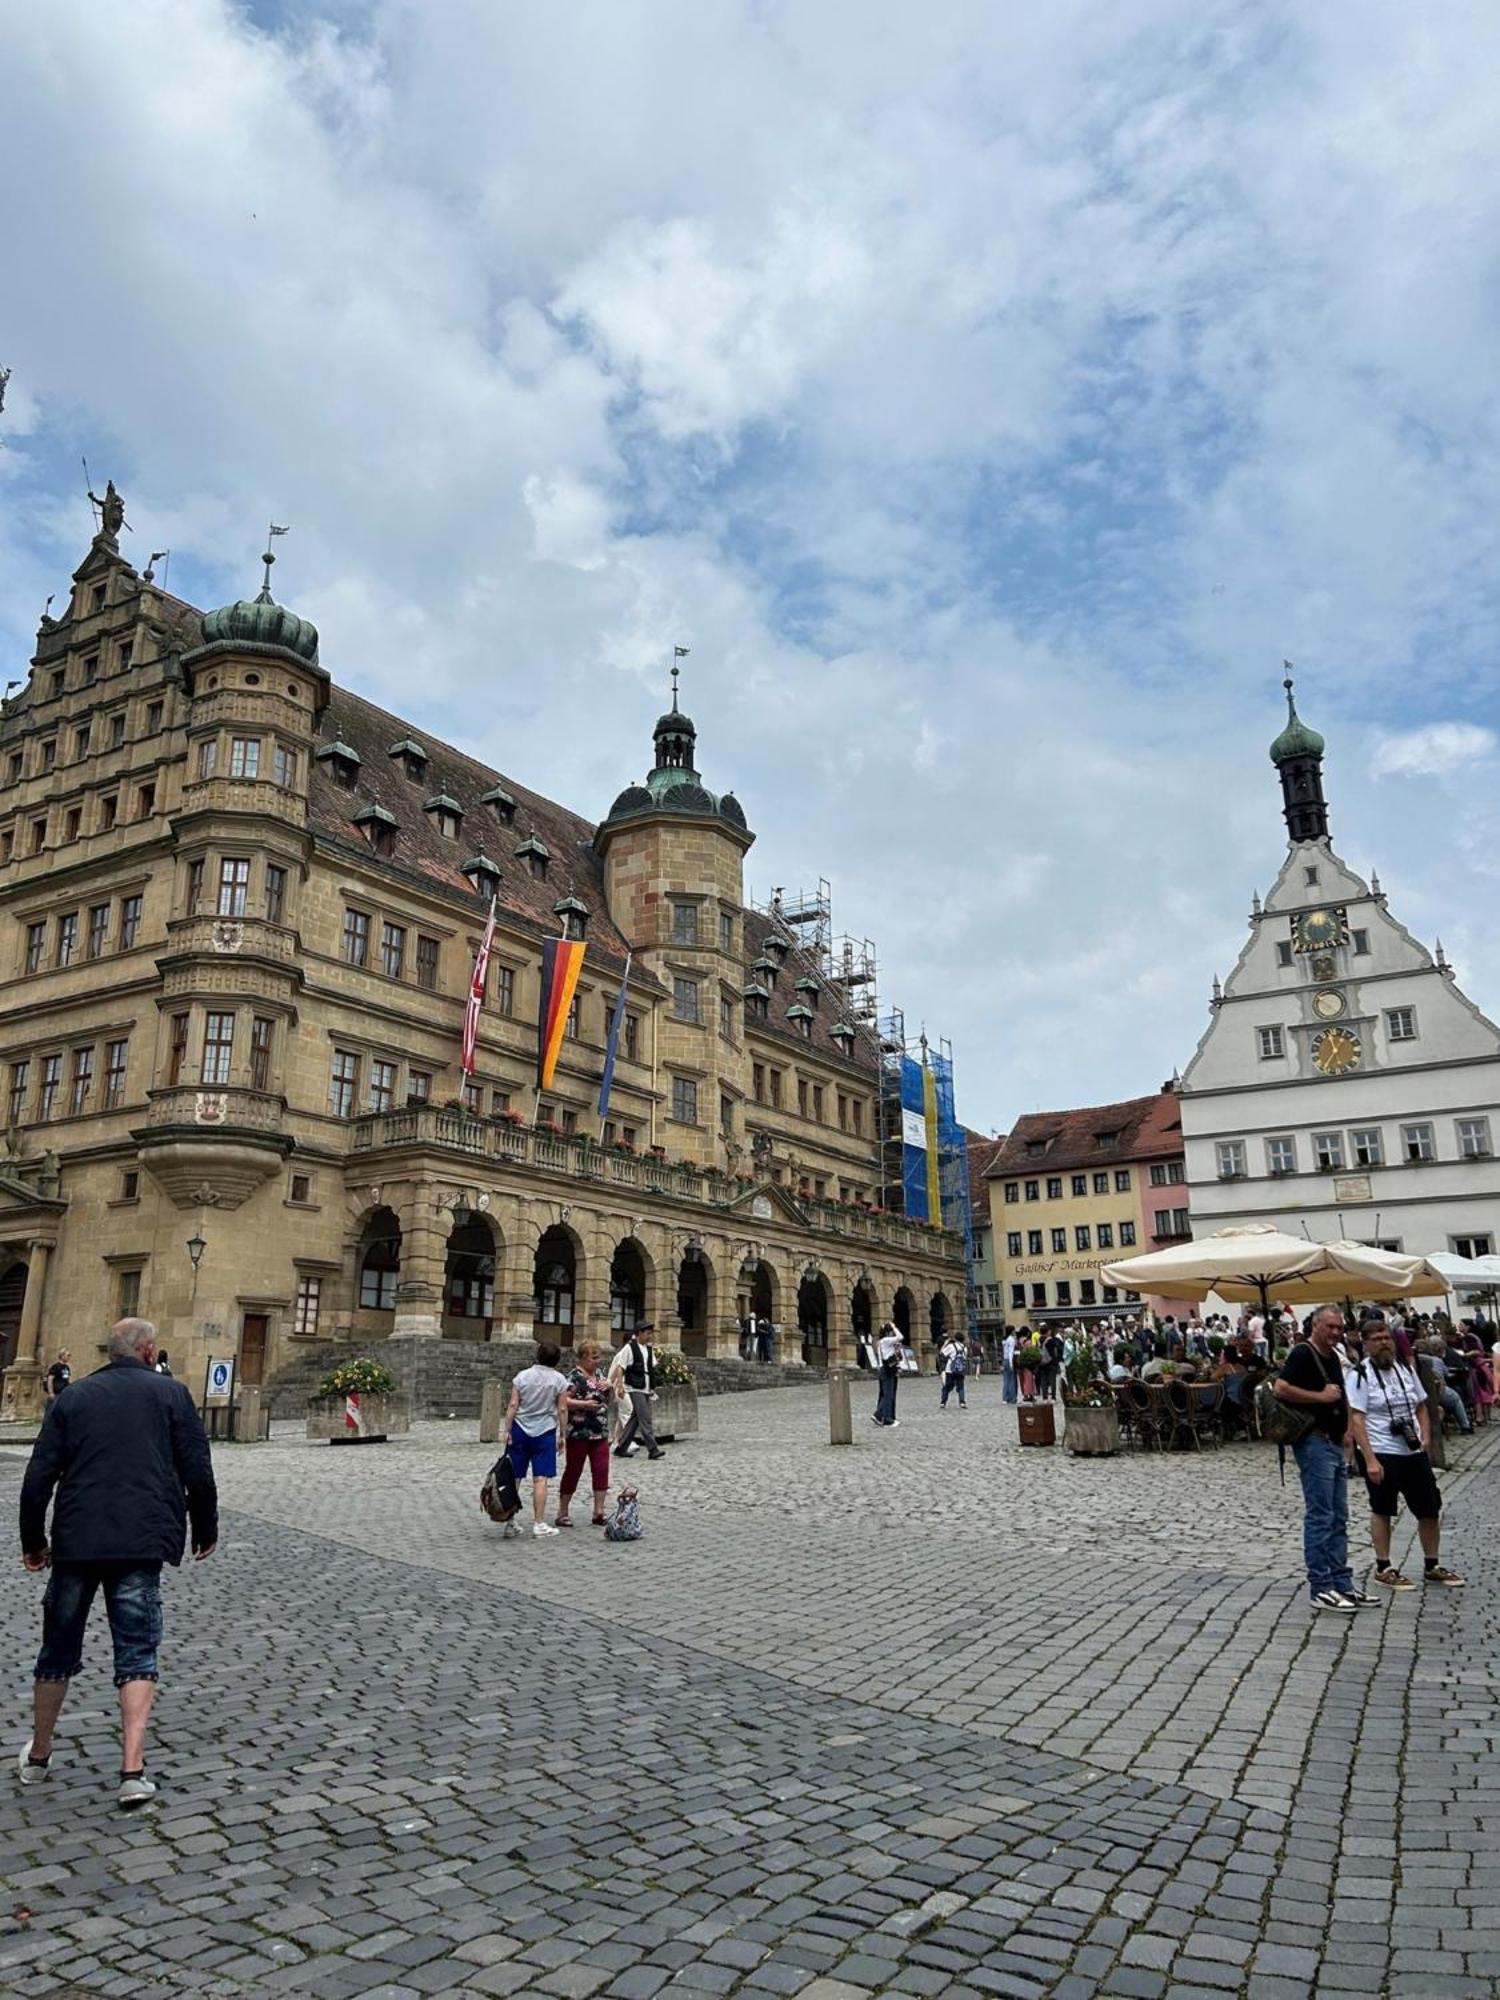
1388, 1416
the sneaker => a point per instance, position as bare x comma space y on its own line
136, 1792
626, 1451
1450, 1579
1333, 1600
509, 1531
658, 1453
1361, 1599
543, 1528
895, 1424
1393, 1579
26, 1771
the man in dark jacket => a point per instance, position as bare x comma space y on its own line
125, 1453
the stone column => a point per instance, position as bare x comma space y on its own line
424, 1260
21, 1398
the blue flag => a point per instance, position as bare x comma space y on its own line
616, 1023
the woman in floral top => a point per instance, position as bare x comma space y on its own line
585, 1408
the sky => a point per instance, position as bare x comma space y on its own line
990, 398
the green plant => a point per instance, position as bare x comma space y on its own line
672, 1370
358, 1378
1216, 1343
1084, 1386
1029, 1358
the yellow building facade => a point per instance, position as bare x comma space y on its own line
239, 908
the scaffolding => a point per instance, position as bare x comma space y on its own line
844, 963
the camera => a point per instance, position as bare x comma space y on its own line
1408, 1433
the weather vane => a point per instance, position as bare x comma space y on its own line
678, 653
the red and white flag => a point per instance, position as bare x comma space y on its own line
476, 992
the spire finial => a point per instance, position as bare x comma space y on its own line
265, 589
1289, 684
678, 653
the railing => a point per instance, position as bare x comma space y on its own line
582, 1158
209, 1105
244, 795
215, 936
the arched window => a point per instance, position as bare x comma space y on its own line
627, 1288
555, 1278
470, 1272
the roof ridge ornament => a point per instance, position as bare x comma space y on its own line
268, 558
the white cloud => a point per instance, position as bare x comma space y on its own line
990, 397
1433, 751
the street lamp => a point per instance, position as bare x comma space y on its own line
195, 1249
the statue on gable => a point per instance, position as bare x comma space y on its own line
111, 512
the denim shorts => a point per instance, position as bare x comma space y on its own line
539, 1454
132, 1600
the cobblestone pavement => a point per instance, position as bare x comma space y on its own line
932, 1715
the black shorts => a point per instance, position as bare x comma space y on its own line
1408, 1477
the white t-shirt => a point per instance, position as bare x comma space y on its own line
539, 1389
890, 1348
1008, 1350
1382, 1397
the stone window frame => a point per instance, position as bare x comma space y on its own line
684, 1100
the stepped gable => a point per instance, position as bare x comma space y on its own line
573, 868
1051, 1142
832, 1007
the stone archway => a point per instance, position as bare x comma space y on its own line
757, 1294
469, 1276
939, 1319
903, 1309
695, 1300
557, 1281
377, 1267
12, 1298
629, 1280
814, 1305
862, 1321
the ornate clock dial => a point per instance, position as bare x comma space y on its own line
1336, 1051
1328, 1006
1319, 930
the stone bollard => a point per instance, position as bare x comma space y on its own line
840, 1419
251, 1418
493, 1397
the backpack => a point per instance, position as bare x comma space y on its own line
1279, 1422
958, 1362
499, 1496
624, 1525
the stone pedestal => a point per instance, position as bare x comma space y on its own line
493, 1398
840, 1416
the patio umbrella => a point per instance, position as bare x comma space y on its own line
1247, 1265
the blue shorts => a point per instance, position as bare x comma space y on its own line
538, 1455
132, 1600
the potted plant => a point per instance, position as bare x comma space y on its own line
359, 1402
675, 1412
1091, 1422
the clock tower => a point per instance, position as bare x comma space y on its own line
1345, 1085
1297, 754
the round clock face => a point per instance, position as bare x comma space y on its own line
1328, 1006
1319, 931
1336, 1050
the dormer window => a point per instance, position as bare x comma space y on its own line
1105, 1141
765, 970
500, 803
533, 856
801, 1020
445, 813
843, 1034
378, 827
757, 1003
808, 988
779, 945
410, 758
483, 874
575, 916
342, 761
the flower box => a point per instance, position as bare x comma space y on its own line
1090, 1431
361, 1418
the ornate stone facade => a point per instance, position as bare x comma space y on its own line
238, 914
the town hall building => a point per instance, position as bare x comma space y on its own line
239, 910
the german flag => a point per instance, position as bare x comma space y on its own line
562, 961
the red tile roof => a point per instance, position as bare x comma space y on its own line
1050, 1142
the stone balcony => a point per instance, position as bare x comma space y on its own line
243, 795
430, 1127
212, 1147
205, 935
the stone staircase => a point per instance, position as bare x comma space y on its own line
445, 1378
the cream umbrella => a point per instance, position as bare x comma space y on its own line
1246, 1265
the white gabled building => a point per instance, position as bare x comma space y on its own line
1344, 1086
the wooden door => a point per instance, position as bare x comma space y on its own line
252, 1369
